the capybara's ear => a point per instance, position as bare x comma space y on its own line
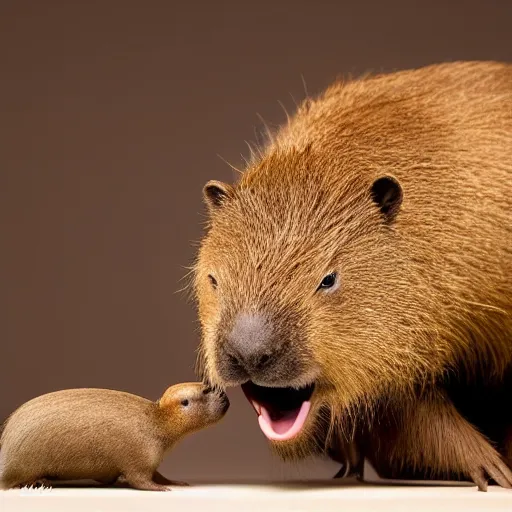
216, 193
387, 194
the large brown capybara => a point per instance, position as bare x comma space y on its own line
357, 279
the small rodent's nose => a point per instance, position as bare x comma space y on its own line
249, 345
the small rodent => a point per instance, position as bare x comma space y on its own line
357, 279
102, 435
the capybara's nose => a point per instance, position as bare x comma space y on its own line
249, 344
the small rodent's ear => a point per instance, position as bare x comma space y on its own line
387, 194
216, 193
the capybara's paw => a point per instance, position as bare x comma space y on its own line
494, 468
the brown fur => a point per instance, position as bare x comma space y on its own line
425, 295
103, 435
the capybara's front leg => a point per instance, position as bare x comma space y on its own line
347, 454
430, 436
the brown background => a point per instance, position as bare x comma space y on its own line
112, 116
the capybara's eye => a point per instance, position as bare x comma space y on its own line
184, 403
328, 281
213, 281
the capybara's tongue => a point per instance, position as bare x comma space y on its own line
285, 427
281, 412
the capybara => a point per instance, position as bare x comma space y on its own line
357, 279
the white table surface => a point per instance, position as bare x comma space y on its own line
280, 497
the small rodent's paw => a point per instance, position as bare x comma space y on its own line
161, 479
494, 468
152, 486
143, 484
177, 483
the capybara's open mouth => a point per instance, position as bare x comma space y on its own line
282, 412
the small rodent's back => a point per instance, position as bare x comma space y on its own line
100, 428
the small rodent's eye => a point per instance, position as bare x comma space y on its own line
184, 403
328, 281
213, 281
